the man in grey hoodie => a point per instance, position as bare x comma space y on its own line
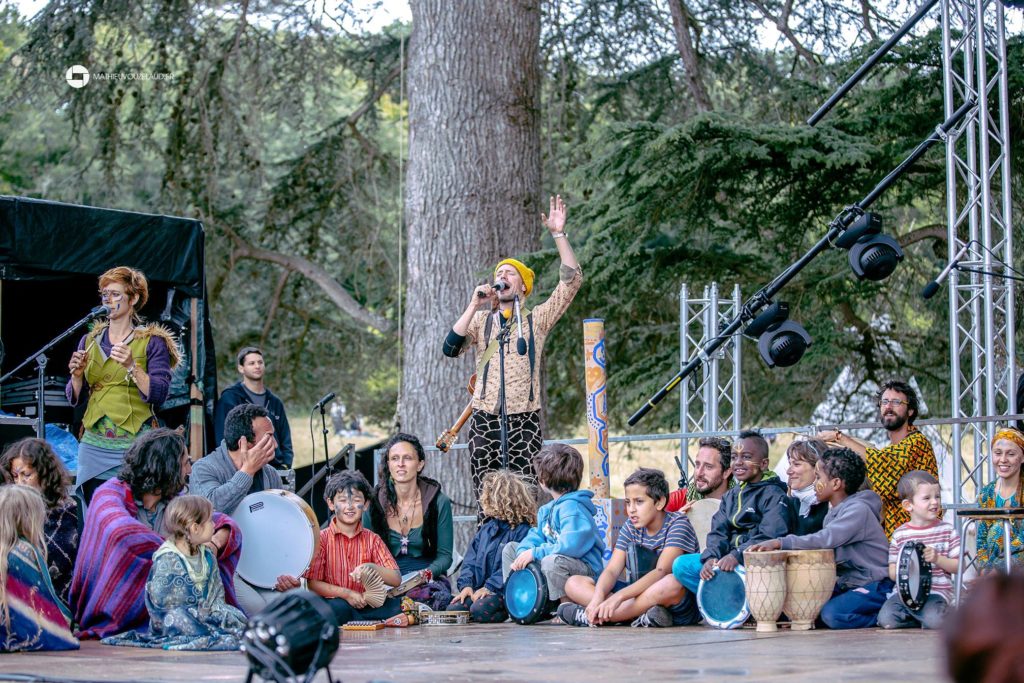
240, 465
852, 528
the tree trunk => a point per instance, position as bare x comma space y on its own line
472, 196
681, 25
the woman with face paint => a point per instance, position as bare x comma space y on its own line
122, 370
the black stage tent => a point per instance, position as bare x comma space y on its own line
50, 257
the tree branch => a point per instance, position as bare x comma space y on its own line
341, 298
935, 231
681, 24
275, 301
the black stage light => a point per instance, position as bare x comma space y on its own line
783, 344
294, 636
874, 257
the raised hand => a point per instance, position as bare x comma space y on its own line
123, 355
255, 456
555, 220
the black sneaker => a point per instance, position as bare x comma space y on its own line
572, 614
655, 617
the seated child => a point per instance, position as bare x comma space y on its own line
32, 617
565, 540
755, 510
853, 528
184, 591
647, 600
509, 510
920, 496
346, 548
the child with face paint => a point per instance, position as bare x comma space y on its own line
347, 549
122, 370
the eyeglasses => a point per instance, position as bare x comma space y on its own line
110, 295
894, 402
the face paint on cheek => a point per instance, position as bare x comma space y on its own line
819, 485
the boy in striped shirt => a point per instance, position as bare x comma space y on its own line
346, 548
920, 496
647, 600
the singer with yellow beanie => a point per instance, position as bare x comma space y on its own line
491, 308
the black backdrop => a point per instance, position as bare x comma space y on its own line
50, 257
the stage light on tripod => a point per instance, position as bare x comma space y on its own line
781, 342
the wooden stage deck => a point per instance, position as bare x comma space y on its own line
545, 652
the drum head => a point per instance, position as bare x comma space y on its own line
279, 536
526, 594
700, 515
723, 598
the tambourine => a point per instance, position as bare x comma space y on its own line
913, 576
722, 599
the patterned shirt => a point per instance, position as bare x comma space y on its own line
675, 532
339, 554
991, 544
887, 465
518, 377
943, 537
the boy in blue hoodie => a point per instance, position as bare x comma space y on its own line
853, 528
565, 540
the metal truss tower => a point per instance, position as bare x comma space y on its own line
980, 234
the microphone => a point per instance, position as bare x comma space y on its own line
499, 286
324, 401
520, 343
932, 287
99, 311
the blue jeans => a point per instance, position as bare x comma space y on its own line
895, 614
857, 607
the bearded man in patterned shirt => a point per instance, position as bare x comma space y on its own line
908, 450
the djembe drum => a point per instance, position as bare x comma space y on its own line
810, 580
766, 586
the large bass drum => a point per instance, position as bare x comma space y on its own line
280, 535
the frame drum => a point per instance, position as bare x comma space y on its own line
526, 595
722, 599
280, 535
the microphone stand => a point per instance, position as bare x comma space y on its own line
346, 451
503, 339
41, 360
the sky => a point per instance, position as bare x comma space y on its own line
374, 17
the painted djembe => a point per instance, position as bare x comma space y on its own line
766, 586
810, 580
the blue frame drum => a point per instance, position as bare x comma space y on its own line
526, 595
722, 599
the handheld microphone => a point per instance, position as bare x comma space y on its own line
932, 287
99, 311
499, 286
324, 401
520, 343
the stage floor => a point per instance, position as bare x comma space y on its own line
546, 652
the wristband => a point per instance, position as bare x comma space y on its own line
558, 235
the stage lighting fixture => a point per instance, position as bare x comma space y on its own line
874, 257
291, 639
781, 342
